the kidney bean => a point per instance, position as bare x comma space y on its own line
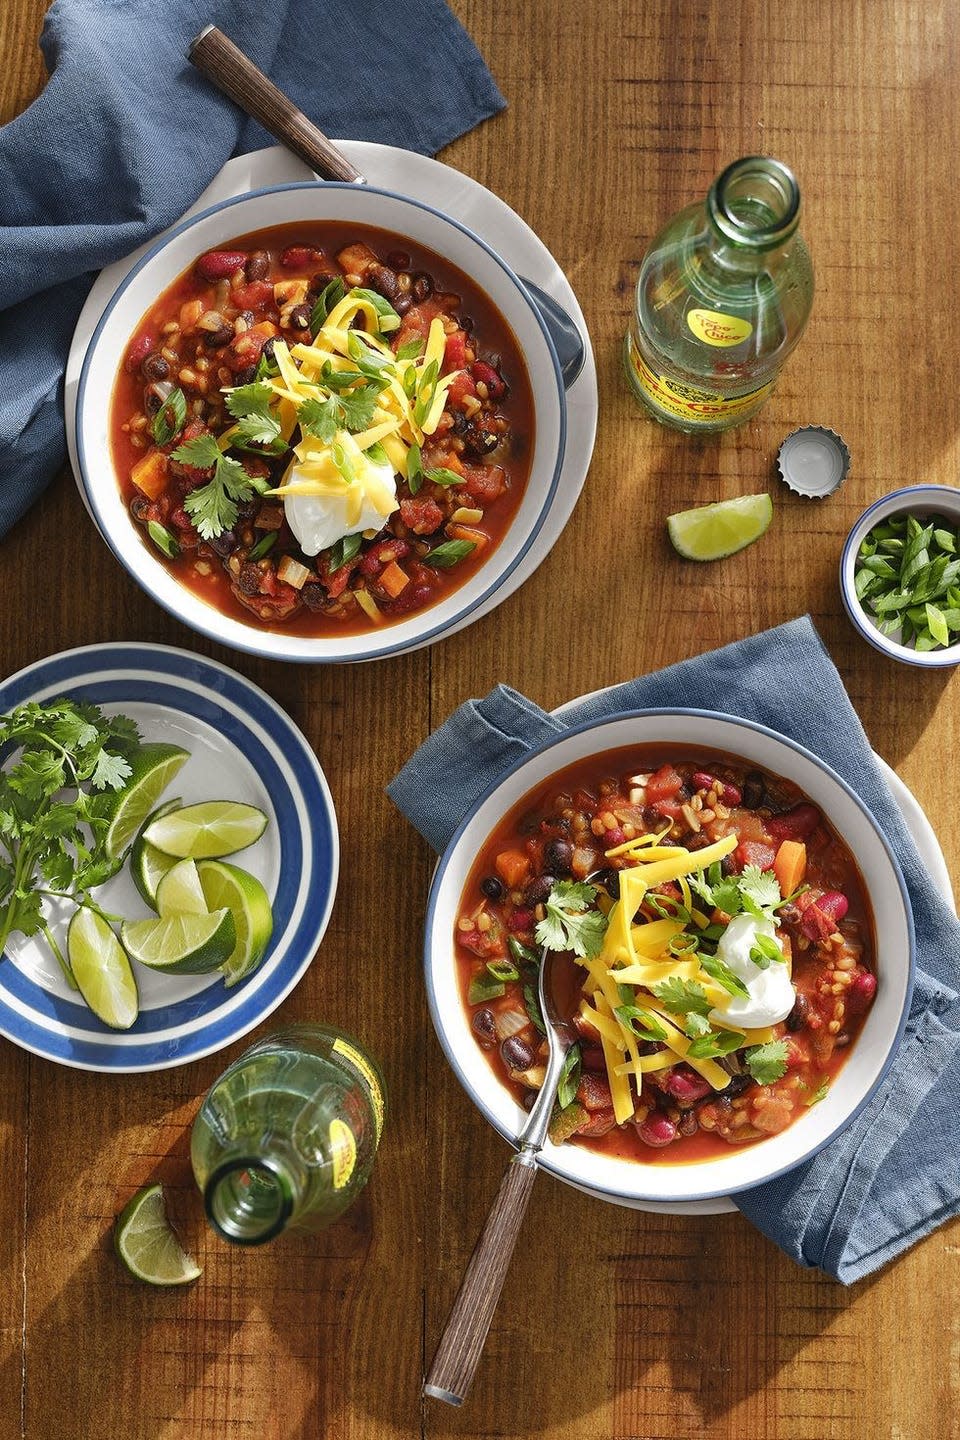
421, 287
861, 992
834, 904
516, 1054
686, 1086
493, 887
298, 257
138, 352
657, 1131
521, 920
815, 923
798, 1015
614, 837
220, 264
558, 856
539, 889
486, 375
484, 1027
796, 824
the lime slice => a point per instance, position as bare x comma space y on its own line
179, 892
208, 830
147, 1243
249, 903
709, 532
101, 970
148, 865
182, 944
152, 768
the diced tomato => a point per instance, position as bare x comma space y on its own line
485, 483
422, 516
796, 824
454, 352
669, 809
754, 852
258, 295
601, 1122
593, 1092
460, 389
664, 785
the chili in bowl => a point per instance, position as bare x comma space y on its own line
733, 948
321, 423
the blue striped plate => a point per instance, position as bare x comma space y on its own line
242, 747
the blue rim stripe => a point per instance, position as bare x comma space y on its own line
307, 843
544, 1160
268, 648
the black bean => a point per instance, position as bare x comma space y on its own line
478, 444
213, 339
558, 857
798, 1015
610, 880
516, 1054
320, 283
465, 322
249, 579
224, 543
300, 317
154, 367
398, 260
483, 1024
493, 888
140, 507
539, 889
384, 281
246, 375
155, 396
402, 304
313, 596
257, 266
688, 1124
754, 789
738, 1083
247, 316
421, 286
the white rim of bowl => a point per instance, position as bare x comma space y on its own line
543, 1159
891, 504
213, 627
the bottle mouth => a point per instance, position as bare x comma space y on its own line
755, 203
248, 1199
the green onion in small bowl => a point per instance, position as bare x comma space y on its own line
900, 575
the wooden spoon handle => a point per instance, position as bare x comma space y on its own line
231, 71
465, 1332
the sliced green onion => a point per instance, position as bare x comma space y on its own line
163, 539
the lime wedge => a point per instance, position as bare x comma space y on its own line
248, 902
182, 944
147, 1243
148, 865
179, 892
709, 532
208, 830
101, 970
152, 768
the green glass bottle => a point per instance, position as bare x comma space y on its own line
723, 296
286, 1138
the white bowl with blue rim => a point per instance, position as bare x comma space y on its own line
550, 345
626, 1181
921, 501
242, 746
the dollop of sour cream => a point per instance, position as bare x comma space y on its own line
772, 996
319, 521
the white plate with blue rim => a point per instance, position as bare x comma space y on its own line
470, 203
242, 746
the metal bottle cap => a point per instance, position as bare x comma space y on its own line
813, 461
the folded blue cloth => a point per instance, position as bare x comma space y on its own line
127, 134
893, 1175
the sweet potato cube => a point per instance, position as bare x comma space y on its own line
150, 474
513, 867
393, 579
790, 865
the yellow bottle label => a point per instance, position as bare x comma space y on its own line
715, 328
361, 1063
687, 402
343, 1152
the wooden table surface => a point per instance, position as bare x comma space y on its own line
613, 1324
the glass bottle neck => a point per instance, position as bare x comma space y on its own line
754, 205
250, 1199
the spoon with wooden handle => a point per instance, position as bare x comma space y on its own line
468, 1323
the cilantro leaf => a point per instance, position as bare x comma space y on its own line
569, 1077
201, 453
253, 399
110, 771
357, 407
568, 924
213, 507
767, 1063
760, 886
819, 1094
683, 996
320, 418
695, 1025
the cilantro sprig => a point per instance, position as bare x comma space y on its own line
213, 507
767, 1063
754, 890
51, 834
569, 923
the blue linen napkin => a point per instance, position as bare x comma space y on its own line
127, 134
893, 1175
